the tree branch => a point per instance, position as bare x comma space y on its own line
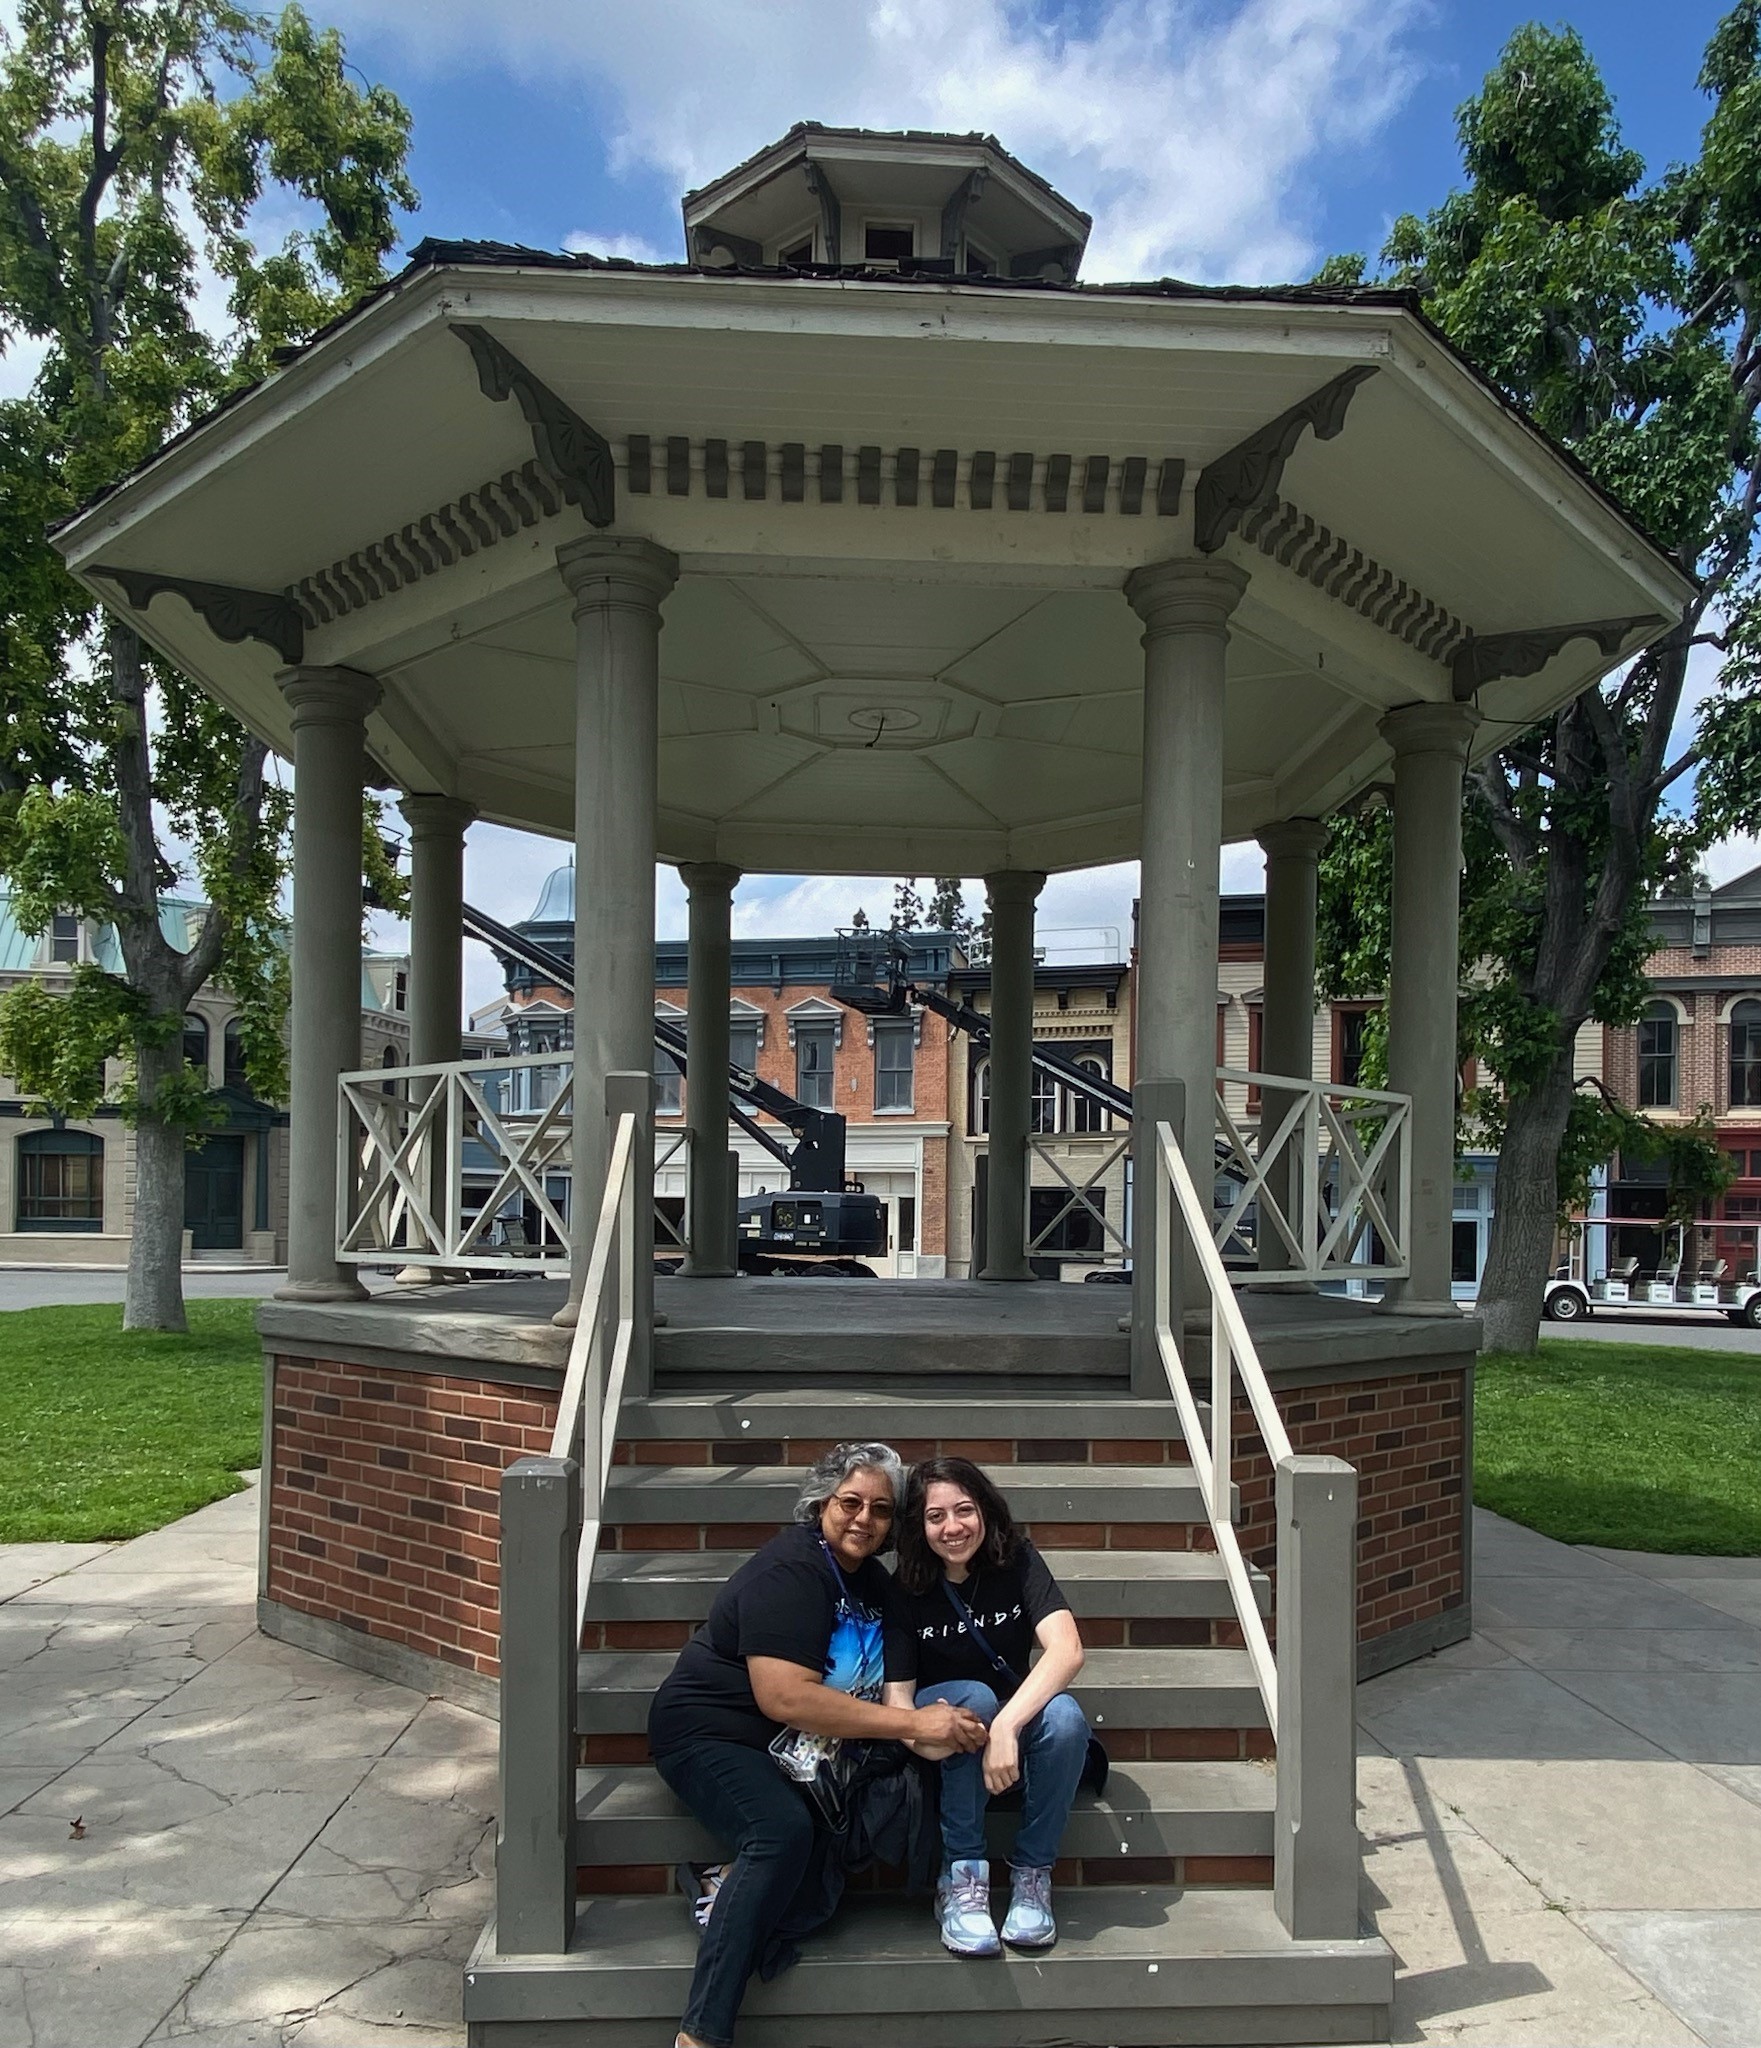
205, 955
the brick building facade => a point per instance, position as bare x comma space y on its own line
1697, 1046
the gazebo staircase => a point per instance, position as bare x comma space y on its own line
1210, 1896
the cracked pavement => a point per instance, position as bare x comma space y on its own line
274, 1849
1561, 1817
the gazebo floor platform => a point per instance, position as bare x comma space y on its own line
812, 1332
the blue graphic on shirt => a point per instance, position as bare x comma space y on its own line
855, 1662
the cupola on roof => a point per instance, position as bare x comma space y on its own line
556, 900
911, 201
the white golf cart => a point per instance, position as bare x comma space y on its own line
1707, 1268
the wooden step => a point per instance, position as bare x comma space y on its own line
724, 1495
1175, 1689
630, 1817
873, 1413
679, 1585
1134, 1966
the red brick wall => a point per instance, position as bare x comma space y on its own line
384, 1509
1408, 1440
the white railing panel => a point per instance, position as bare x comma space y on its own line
1327, 1171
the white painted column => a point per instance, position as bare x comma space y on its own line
710, 1254
619, 586
1013, 894
437, 965
1430, 743
1287, 1015
1185, 606
330, 707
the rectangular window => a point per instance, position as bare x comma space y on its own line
813, 1065
893, 1062
888, 245
1076, 1231
1464, 1251
743, 1046
1657, 1062
1044, 1116
400, 990
60, 1181
64, 940
667, 1094
1348, 1046
907, 1223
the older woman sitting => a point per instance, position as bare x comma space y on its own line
803, 1638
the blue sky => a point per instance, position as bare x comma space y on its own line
1211, 139
1216, 139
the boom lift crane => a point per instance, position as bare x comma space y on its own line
820, 1222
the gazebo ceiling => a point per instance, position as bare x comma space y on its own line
904, 511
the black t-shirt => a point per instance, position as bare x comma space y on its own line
784, 1603
1008, 1602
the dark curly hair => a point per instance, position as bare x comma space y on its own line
919, 1566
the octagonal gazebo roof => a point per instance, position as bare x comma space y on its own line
904, 507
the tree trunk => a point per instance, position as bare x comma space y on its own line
154, 1296
1525, 1214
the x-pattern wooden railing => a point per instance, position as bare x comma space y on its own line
1328, 1170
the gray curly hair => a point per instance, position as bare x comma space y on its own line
828, 1472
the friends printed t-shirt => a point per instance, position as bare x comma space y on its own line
1008, 1601
784, 1603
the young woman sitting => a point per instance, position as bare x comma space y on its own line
980, 1599
806, 1640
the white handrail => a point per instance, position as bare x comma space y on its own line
1232, 1349
593, 1381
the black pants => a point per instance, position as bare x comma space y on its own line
747, 1803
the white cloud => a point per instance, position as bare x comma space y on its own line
1192, 134
604, 242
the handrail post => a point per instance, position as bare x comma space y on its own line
535, 1842
1153, 1102
1314, 1844
629, 1094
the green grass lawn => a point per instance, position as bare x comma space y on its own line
1637, 1446
105, 1434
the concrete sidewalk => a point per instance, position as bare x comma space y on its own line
213, 1839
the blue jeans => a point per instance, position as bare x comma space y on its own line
1054, 1745
778, 1853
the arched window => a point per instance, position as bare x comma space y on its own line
60, 1181
195, 1043
1084, 1113
1659, 1050
1745, 1054
388, 1060
233, 1055
1044, 1115
981, 1098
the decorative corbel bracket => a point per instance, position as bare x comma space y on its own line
830, 214
1250, 472
970, 187
1495, 657
231, 614
575, 456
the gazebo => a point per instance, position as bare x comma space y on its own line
869, 540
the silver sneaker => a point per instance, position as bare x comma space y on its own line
1030, 1923
963, 1911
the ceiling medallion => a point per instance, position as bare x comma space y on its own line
880, 719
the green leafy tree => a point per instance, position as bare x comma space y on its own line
907, 906
1624, 316
136, 139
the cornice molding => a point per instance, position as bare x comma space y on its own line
230, 613
1285, 534
1497, 657
1249, 473
576, 456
